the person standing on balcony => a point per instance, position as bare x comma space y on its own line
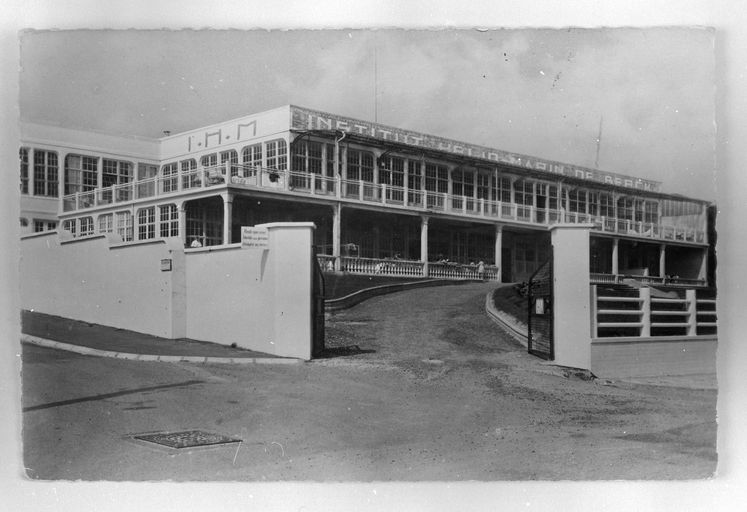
481, 271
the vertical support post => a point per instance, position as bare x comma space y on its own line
692, 312
336, 224
227, 217
499, 251
182, 217
615, 257
594, 315
99, 180
645, 295
663, 261
424, 243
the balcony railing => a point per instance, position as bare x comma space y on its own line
408, 268
370, 193
599, 278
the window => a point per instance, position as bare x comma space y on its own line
46, 174
625, 208
484, 182
331, 160
360, 165
577, 201
651, 212
23, 156
606, 205
593, 203
124, 225
251, 157
524, 192
463, 183
189, 176
146, 223
231, 158
44, 225
307, 156
414, 175
392, 171
436, 178
503, 189
81, 173
170, 174
277, 154
210, 160
106, 223
115, 172
69, 225
86, 226
168, 221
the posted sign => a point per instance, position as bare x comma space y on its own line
254, 238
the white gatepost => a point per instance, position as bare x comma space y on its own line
572, 295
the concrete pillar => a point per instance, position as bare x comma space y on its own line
571, 295
645, 295
424, 243
615, 256
662, 260
181, 210
692, 310
336, 224
227, 217
499, 250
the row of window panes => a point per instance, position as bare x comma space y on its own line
121, 223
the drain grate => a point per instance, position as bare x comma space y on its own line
186, 439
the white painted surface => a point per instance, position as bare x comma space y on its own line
571, 295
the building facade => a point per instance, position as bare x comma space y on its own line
384, 199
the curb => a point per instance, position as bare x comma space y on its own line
88, 351
355, 298
505, 322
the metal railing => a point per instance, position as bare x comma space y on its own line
600, 278
409, 268
366, 192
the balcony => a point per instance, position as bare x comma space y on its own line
683, 229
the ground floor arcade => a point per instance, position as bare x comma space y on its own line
365, 239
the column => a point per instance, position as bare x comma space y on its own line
615, 262
662, 260
424, 243
499, 251
227, 217
336, 223
99, 180
182, 216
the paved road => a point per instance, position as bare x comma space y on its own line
421, 387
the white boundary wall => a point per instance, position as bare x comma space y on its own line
259, 299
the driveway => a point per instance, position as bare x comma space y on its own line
418, 385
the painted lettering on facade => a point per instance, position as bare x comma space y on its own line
305, 119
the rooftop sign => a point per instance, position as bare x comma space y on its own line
305, 119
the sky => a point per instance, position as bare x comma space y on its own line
547, 93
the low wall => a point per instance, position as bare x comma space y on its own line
100, 280
354, 298
257, 298
653, 356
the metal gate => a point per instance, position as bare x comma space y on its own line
317, 300
540, 312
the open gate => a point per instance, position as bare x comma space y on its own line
540, 312
317, 300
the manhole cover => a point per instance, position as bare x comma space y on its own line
186, 439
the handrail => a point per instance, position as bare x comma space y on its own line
362, 191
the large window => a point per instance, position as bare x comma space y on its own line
44, 225
606, 205
392, 171
463, 183
307, 156
360, 165
124, 225
106, 223
86, 226
168, 221
231, 159
69, 225
23, 156
503, 189
277, 154
115, 172
46, 173
189, 176
251, 157
81, 173
436, 178
210, 160
414, 175
484, 183
577, 201
146, 223
170, 174
524, 192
